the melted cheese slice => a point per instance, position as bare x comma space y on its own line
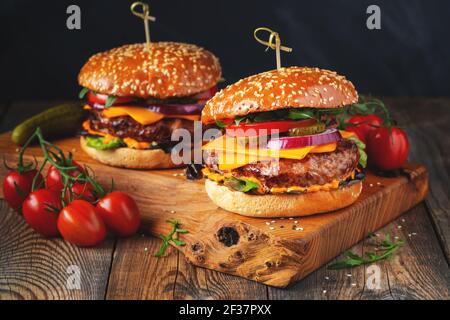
333, 185
142, 115
131, 143
234, 153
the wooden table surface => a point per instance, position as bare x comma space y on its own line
35, 268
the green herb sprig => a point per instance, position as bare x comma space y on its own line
172, 236
385, 249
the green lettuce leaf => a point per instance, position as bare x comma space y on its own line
97, 143
361, 148
242, 185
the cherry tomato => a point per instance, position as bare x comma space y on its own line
80, 224
54, 182
265, 128
387, 148
101, 98
17, 186
40, 210
364, 125
120, 213
84, 191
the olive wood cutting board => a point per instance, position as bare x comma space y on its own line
275, 252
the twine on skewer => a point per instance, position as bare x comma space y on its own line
273, 37
145, 16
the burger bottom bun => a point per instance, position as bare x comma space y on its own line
130, 158
282, 205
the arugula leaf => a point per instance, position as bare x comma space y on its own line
299, 114
242, 185
170, 237
238, 120
284, 114
110, 101
97, 143
361, 148
386, 247
265, 117
221, 124
83, 92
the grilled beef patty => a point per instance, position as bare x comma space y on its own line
314, 169
126, 127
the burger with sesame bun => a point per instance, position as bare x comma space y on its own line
138, 95
281, 153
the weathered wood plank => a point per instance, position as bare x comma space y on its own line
418, 270
137, 274
427, 123
275, 255
32, 267
313, 285
199, 283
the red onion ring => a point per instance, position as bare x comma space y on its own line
328, 136
177, 109
168, 109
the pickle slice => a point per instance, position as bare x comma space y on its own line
304, 131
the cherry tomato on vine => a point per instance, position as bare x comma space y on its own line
387, 148
17, 186
80, 224
120, 213
40, 210
81, 190
364, 124
54, 182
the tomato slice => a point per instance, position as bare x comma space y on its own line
265, 128
101, 98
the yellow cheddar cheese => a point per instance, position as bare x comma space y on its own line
233, 153
141, 115
131, 143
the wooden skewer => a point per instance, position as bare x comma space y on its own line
145, 16
274, 36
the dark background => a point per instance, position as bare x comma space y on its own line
409, 56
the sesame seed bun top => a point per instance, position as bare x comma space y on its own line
293, 87
169, 69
